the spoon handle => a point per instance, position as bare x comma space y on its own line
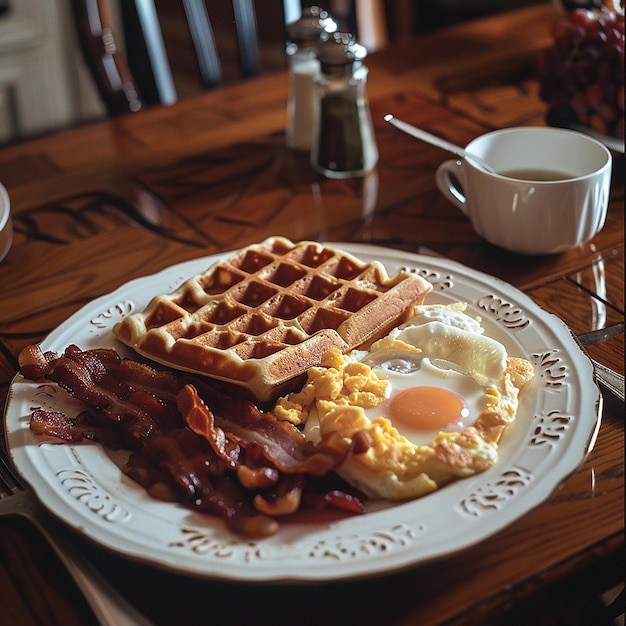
423, 135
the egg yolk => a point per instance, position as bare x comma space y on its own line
426, 408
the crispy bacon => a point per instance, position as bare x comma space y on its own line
202, 422
335, 498
190, 443
175, 479
57, 424
91, 376
280, 443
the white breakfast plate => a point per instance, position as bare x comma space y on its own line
556, 426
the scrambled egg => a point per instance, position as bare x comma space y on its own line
344, 393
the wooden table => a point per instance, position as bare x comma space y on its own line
99, 205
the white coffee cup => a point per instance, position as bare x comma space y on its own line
550, 192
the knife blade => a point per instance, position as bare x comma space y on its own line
594, 336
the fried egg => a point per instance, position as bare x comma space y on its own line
431, 399
425, 397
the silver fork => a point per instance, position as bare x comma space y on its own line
612, 380
109, 607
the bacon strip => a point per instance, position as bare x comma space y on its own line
281, 443
190, 443
177, 477
89, 376
201, 421
59, 425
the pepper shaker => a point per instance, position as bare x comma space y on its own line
344, 145
305, 35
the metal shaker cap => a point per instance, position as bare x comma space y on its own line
313, 25
340, 53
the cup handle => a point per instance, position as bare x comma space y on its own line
448, 178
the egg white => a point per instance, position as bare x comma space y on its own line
404, 370
448, 333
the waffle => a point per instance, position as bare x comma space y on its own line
260, 319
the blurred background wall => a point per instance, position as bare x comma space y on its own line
43, 82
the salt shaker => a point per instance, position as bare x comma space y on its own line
305, 34
344, 145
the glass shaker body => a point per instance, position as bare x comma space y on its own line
344, 144
303, 67
305, 36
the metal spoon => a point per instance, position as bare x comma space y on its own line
418, 133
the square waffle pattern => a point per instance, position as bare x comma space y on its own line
260, 319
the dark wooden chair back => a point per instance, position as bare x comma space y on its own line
133, 70
131, 54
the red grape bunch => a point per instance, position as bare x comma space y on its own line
582, 74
